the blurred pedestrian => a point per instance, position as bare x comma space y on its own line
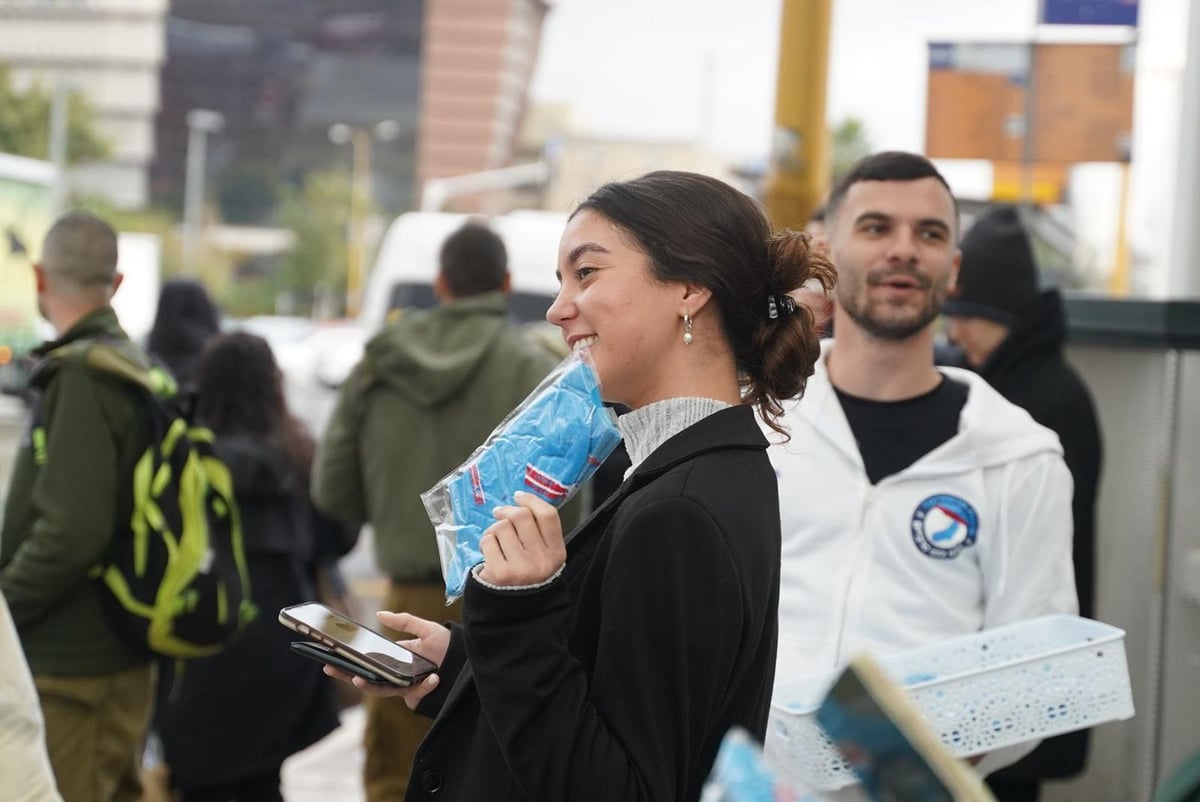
228, 722
1012, 334
610, 666
428, 391
71, 494
918, 504
815, 227
25, 774
186, 319
814, 296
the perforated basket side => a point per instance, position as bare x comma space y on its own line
978, 693
798, 748
1028, 700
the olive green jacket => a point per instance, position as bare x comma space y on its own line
429, 390
71, 491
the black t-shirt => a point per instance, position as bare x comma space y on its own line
892, 435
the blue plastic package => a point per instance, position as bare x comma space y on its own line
742, 774
549, 445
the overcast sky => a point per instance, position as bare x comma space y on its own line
686, 69
636, 68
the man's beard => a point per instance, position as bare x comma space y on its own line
892, 327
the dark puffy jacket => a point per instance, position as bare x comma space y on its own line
1029, 370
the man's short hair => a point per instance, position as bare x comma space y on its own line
888, 165
82, 249
473, 260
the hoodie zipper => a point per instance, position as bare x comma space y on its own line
855, 571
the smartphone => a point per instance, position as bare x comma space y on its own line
357, 643
326, 656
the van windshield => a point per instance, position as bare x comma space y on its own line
524, 307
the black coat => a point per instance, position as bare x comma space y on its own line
619, 679
245, 710
1029, 370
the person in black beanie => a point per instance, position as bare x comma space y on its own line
1012, 334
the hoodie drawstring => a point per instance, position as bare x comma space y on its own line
1002, 536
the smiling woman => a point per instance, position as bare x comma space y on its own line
682, 259
608, 664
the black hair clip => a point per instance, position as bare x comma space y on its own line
780, 306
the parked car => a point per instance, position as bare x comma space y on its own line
337, 347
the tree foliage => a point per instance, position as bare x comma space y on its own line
850, 143
25, 123
318, 213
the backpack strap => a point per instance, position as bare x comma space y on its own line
111, 357
114, 358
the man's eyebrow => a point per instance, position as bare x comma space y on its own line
935, 222
872, 217
924, 222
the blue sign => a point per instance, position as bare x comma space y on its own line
1089, 12
941, 56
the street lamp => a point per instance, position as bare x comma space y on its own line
200, 123
359, 138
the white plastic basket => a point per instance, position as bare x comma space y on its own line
978, 693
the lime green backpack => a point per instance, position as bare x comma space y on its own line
177, 583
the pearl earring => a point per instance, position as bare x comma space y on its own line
687, 329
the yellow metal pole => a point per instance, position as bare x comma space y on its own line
1118, 280
798, 178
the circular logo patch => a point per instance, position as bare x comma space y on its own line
942, 526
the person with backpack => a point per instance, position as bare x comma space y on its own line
228, 721
70, 497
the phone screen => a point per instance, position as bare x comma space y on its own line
355, 637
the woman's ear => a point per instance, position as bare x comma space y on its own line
694, 299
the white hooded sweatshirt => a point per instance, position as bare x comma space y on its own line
975, 534
25, 773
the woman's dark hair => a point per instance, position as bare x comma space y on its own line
700, 231
239, 391
185, 320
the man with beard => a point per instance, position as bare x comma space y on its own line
1013, 335
917, 504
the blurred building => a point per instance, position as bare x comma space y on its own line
283, 74
479, 60
111, 51
581, 162
447, 79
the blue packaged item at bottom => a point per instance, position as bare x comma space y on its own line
741, 774
549, 445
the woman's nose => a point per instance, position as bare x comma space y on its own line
559, 310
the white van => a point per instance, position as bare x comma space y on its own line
407, 264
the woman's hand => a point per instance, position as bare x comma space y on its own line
431, 642
525, 546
